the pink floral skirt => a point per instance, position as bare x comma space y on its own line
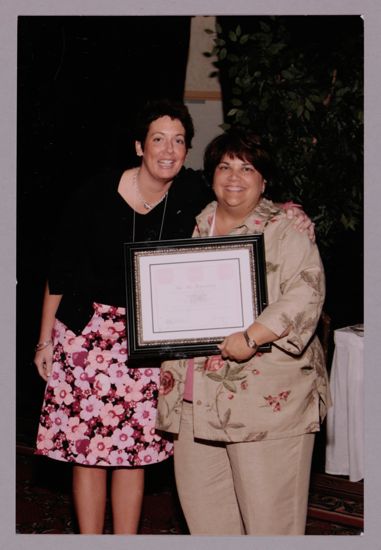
96, 410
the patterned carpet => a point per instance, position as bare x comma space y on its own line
44, 502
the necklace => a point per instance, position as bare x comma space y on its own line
146, 205
162, 216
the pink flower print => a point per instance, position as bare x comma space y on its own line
57, 376
90, 459
83, 377
69, 378
110, 414
118, 374
90, 407
76, 429
256, 372
149, 375
214, 363
59, 421
73, 343
59, 331
148, 456
149, 393
119, 457
79, 358
76, 405
119, 352
112, 330
100, 446
119, 327
274, 401
94, 325
99, 359
122, 438
149, 434
58, 440
145, 412
101, 384
45, 438
133, 390
82, 446
62, 394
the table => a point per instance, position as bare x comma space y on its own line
345, 419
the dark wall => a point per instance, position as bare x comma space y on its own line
80, 83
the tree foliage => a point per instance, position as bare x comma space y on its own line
309, 108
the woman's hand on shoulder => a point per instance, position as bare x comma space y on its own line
302, 222
43, 360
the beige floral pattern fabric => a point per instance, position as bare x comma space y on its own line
275, 394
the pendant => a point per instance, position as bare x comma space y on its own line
146, 205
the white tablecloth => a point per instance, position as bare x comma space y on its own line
345, 420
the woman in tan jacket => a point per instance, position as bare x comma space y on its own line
245, 421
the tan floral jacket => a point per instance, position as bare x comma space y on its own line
275, 394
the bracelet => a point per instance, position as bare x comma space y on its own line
249, 341
43, 345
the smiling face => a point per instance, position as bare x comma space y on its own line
164, 150
237, 184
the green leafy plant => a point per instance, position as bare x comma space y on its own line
309, 110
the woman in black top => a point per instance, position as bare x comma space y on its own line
97, 412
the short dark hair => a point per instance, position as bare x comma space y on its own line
243, 144
158, 108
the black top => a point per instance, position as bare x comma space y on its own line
88, 260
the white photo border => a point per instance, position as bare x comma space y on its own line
370, 11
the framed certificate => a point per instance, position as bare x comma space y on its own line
184, 296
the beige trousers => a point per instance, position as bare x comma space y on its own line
253, 488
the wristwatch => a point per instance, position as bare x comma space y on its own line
249, 341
